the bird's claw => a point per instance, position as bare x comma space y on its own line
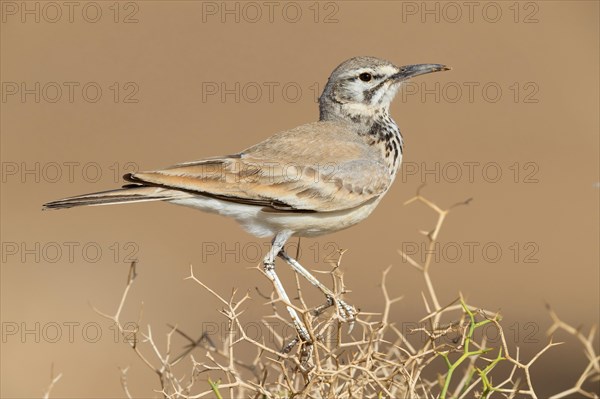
346, 312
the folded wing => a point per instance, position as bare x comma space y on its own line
287, 172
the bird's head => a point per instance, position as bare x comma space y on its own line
362, 87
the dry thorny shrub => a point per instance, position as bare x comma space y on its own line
377, 360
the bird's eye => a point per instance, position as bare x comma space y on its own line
365, 76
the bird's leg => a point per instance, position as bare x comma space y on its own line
346, 312
269, 268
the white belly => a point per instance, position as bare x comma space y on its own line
266, 224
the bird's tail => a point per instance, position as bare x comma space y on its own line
127, 194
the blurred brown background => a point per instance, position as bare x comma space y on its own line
93, 90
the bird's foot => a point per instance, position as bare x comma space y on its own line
306, 351
346, 312
302, 337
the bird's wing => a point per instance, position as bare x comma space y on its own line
318, 167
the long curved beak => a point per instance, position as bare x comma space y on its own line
409, 71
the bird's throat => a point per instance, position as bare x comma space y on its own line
385, 135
